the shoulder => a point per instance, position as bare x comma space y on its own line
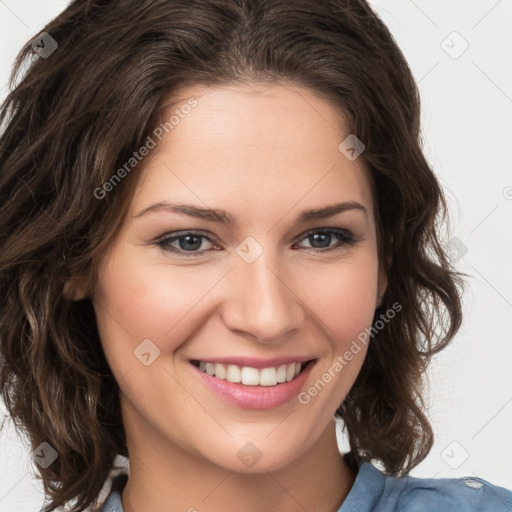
376, 492
113, 501
109, 499
464, 494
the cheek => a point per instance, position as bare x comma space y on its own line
136, 301
343, 298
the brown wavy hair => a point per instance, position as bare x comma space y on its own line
71, 119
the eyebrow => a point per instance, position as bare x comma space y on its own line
223, 217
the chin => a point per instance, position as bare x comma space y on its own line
254, 457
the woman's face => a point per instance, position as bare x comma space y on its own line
251, 297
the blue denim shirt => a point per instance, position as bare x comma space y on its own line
375, 492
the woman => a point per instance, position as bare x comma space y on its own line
220, 235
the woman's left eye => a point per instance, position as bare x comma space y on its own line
190, 241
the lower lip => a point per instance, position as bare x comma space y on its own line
256, 397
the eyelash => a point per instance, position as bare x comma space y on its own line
346, 239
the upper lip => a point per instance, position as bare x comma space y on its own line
255, 362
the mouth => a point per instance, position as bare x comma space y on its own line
255, 377
252, 383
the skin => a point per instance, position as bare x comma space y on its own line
263, 153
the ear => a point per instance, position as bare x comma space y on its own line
76, 288
382, 285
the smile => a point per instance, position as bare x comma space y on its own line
250, 376
253, 383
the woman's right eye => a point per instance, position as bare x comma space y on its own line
188, 242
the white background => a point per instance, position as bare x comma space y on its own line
467, 133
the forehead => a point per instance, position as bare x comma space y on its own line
259, 147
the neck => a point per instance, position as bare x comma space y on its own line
164, 477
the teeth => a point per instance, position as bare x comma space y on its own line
268, 377
290, 372
220, 371
252, 376
233, 373
281, 373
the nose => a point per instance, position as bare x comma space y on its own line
262, 303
